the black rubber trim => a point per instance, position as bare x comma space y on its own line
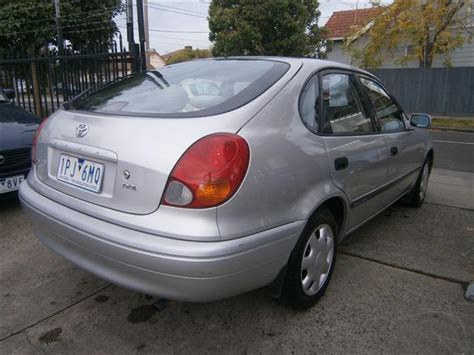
360, 200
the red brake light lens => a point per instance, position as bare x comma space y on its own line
35, 141
209, 172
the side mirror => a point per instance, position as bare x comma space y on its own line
9, 93
420, 120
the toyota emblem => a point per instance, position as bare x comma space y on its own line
81, 130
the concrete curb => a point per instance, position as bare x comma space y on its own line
448, 129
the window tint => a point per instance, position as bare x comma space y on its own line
388, 117
309, 104
192, 89
343, 110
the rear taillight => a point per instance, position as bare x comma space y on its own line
35, 140
209, 172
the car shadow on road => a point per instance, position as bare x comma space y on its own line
9, 204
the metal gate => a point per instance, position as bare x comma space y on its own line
44, 83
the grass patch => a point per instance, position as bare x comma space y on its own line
452, 123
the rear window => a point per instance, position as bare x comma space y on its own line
192, 89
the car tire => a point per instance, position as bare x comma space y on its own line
417, 195
312, 259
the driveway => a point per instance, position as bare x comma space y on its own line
452, 179
398, 286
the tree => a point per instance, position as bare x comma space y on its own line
28, 25
429, 27
188, 54
266, 27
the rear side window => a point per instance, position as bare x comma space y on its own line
192, 89
309, 104
342, 107
387, 115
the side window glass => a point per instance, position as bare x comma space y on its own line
342, 106
309, 104
388, 117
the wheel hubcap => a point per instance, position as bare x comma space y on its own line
317, 259
424, 181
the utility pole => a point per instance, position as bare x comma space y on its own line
130, 39
132, 46
147, 36
58, 27
141, 34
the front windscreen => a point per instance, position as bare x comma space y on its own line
192, 89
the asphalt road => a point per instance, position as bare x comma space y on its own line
398, 287
453, 151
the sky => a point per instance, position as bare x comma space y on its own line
175, 24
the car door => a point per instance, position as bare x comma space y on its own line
405, 149
358, 155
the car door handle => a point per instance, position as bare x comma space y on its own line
341, 163
393, 151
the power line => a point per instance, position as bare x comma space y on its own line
173, 11
52, 29
170, 31
19, 7
178, 38
16, 7
62, 27
182, 39
177, 8
100, 12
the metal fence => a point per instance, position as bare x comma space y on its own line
445, 91
43, 84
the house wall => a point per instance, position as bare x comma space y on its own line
156, 62
337, 54
461, 57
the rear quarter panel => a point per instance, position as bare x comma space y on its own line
288, 175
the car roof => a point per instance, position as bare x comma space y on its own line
317, 64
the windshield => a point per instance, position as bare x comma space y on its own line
192, 89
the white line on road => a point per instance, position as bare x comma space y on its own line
452, 142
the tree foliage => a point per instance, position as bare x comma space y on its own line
189, 54
27, 25
265, 27
429, 27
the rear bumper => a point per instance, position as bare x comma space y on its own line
171, 268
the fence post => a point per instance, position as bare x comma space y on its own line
36, 89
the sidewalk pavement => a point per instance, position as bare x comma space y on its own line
451, 188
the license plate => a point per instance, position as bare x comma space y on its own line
11, 183
81, 173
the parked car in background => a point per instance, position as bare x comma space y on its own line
67, 90
17, 129
211, 178
20, 86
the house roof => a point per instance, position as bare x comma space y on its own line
341, 23
168, 55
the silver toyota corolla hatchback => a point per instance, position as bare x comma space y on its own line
211, 178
